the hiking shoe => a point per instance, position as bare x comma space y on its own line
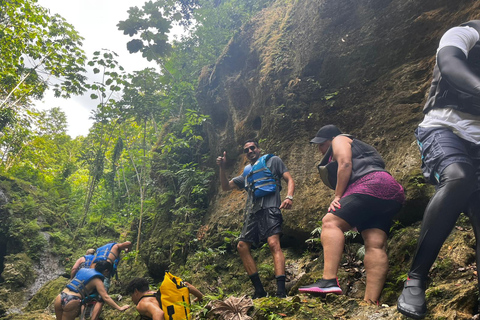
257, 295
281, 295
323, 286
412, 300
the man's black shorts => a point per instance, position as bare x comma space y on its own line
262, 224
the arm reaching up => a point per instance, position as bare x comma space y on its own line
221, 162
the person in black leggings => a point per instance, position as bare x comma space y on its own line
449, 142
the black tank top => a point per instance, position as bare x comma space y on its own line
365, 159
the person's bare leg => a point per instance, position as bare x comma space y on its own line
249, 265
277, 254
97, 310
333, 242
58, 307
278, 263
71, 310
246, 256
376, 263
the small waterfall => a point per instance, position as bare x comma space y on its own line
47, 269
3, 197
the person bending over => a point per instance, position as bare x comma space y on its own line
83, 262
111, 253
366, 198
86, 282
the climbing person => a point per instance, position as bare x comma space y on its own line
148, 302
366, 198
83, 262
263, 218
86, 281
449, 142
111, 253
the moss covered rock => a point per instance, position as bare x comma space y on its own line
18, 270
38, 315
45, 296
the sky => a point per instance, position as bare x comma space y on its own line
96, 21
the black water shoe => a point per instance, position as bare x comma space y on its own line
257, 295
412, 300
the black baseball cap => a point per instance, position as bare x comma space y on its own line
325, 133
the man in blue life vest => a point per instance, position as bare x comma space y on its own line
111, 253
263, 218
449, 142
83, 262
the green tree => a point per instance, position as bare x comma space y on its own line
106, 117
37, 148
141, 102
37, 51
152, 27
52, 122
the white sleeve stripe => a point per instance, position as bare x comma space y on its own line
463, 38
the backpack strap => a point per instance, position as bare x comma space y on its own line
267, 157
156, 295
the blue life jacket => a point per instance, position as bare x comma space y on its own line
81, 279
102, 254
259, 179
88, 261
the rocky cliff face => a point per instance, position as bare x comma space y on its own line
364, 65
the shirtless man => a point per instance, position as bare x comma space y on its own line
147, 301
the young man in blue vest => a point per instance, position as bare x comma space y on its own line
263, 218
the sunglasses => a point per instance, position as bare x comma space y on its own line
251, 148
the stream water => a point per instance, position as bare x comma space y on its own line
46, 270
3, 197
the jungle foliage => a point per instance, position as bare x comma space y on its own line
142, 167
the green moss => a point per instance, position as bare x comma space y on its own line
45, 296
18, 270
434, 292
443, 267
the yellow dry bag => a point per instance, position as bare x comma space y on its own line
175, 298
